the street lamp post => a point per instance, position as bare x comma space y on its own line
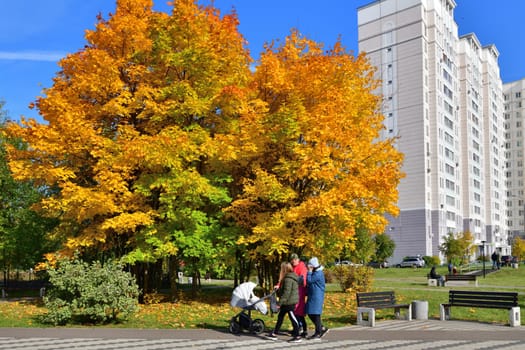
483, 256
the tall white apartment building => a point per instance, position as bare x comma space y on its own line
514, 100
443, 100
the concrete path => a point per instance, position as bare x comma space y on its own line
394, 334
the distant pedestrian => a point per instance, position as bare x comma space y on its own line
316, 284
494, 258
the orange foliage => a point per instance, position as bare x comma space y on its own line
319, 169
149, 121
130, 119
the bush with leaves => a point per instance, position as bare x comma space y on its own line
432, 260
90, 293
353, 278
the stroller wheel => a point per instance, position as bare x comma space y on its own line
235, 327
257, 326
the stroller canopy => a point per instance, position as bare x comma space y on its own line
243, 297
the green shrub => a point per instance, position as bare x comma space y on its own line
352, 278
329, 275
432, 260
84, 293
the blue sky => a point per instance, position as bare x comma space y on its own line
35, 34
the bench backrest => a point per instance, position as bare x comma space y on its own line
483, 299
460, 277
375, 299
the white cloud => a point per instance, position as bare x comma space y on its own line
41, 56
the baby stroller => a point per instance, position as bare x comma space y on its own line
244, 298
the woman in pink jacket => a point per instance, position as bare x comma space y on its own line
300, 269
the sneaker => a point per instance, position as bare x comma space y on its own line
324, 331
295, 340
304, 335
315, 337
271, 336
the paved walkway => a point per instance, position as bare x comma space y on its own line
390, 334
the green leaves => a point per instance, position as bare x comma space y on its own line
161, 141
90, 293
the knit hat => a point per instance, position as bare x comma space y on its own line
313, 262
294, 256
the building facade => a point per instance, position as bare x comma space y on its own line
442, 98
514, 105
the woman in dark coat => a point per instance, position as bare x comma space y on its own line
288, 294
434, 275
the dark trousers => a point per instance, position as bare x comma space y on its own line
316, 320
287, 309
302, 323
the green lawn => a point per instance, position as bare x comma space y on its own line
211, 308
410, 284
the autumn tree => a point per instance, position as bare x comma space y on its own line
364, 246
313, 168
384, 247
458, 247
518, 248
129, 136
23, 233
158, 124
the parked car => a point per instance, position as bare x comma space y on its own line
412, 262
508, 260
344, 263
377, 264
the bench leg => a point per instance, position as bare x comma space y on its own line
444, 312
515, 317
397, 313
371, 313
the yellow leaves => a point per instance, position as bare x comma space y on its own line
126, 32
157, 112
268, 188
318, 140
128, 222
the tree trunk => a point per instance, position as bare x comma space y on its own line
173, 275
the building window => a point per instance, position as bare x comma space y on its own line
449, 169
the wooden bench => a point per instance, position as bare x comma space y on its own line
12, 286
367, 303
492, 300
460, 280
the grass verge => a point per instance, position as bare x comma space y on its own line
211, 308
